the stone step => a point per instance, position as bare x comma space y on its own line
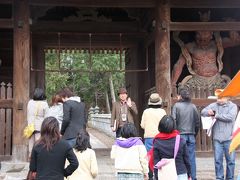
13, 170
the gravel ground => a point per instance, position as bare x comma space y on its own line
204, 161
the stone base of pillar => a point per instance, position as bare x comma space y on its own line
20, 153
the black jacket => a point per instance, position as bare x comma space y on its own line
186, 117
50, 164
74, 118
165, 149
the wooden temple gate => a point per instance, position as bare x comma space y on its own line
146, 27
6, 106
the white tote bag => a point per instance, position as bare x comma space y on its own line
167, 167
168, 170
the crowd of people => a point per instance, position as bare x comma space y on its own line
60, 141
60, 145
161, 130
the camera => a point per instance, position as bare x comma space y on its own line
214, 112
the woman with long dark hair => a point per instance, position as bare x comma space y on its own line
50, 153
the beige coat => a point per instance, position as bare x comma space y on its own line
36, 112
88, 168
150, 120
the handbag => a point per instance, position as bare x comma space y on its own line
29, 129
167, 167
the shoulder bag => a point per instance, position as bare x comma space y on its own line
167, 167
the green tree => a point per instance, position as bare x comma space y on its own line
88, 77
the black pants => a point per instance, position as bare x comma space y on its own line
118, 132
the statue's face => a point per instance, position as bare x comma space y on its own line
203, 38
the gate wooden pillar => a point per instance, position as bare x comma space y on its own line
162, 52
37, 78
21, 73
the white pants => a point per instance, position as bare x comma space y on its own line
32, 141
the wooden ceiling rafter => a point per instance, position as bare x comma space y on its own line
85, 27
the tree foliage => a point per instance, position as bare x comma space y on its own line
88, 77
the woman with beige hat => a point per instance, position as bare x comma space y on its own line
150, 120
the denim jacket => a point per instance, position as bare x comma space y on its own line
225, 117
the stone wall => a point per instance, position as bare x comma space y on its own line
101, 122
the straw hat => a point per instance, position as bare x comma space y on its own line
155, 99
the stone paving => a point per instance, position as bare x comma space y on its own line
102, 143
205, 162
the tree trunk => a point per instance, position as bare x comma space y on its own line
107, 102
112, 88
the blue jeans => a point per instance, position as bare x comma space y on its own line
191, 144
130, 176
182, 177
238, 177
148, 142
72, 142
220, 149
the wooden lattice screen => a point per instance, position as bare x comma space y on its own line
5, 119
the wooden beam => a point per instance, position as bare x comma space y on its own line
6, 23
87, 27
6, 1
205, 4
96, 3
83, 41
86, 46
134, 3
6, 103
208, 26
